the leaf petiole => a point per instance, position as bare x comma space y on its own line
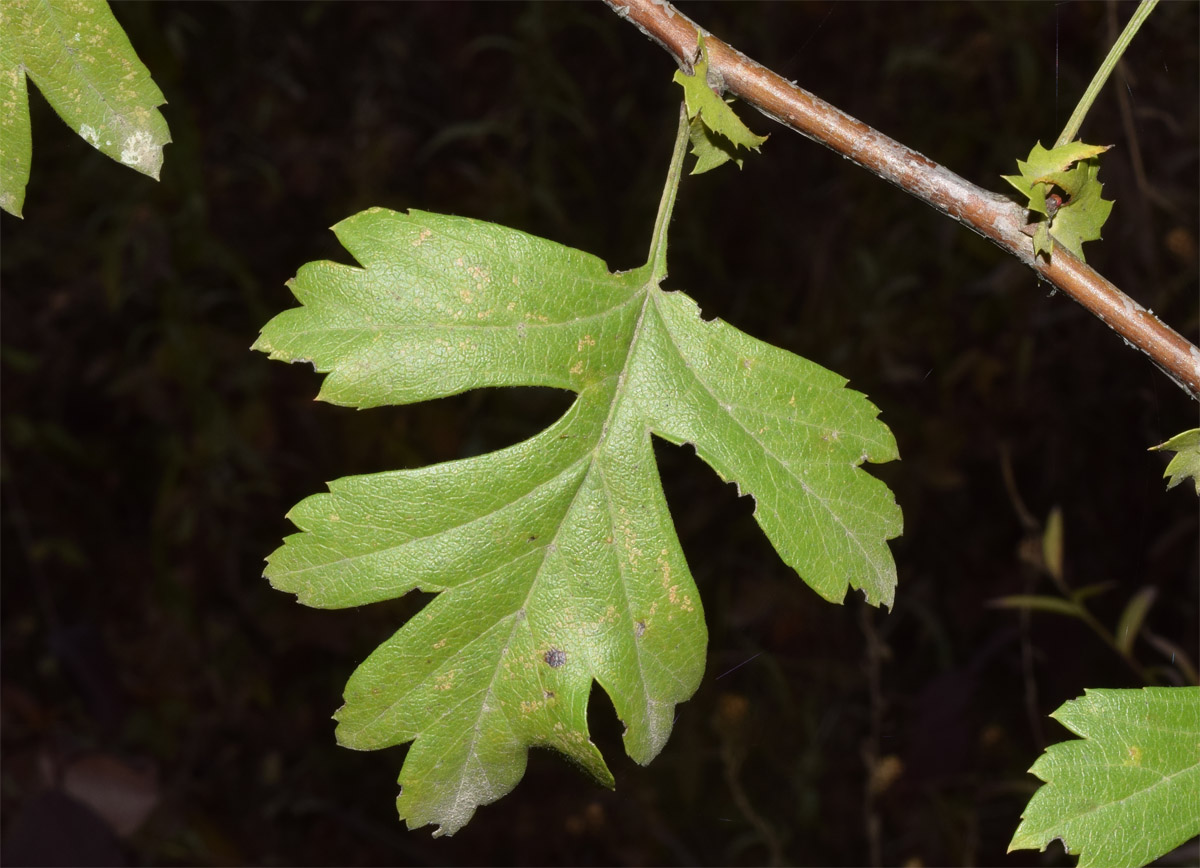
1071, 130
657, 260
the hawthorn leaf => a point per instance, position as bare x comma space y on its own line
1186, 463
716, 132
710, 149
555, 561
82, 61
1084, 214
1077, 212
1129, 790
1043, 162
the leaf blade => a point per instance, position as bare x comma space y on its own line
1129, 789
432, 330
716, 131
16, 142
555, 561
1073, 168
83, 63
1186, 462
758, 444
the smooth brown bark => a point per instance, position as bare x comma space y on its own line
993, 216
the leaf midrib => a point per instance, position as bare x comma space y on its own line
52, 18
591, 457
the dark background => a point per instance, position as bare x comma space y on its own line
148, 457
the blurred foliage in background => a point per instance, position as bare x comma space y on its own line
148, 457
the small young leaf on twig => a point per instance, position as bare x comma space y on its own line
716, 131
1186, 463
1061, 184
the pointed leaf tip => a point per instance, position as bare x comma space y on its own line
83, 63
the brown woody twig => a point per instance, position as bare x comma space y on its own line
993, 216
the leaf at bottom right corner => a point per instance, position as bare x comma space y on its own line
1129, 790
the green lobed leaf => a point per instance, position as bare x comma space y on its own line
82, 61
555, 561
1085, 212
1186, 463
716, 132
1071, 169
1043, 162
1129, 790
710, 149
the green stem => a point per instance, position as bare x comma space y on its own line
658, 243
1071, 130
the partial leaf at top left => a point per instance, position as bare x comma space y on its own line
82, 61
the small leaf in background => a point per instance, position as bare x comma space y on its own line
555, 561
1062, 185
1052, 544
82, 62
1186, 463
1037, 603
1130, 623
1093, 590
716, 131
1129, 790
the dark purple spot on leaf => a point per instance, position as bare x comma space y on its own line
556, 657
639, 628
